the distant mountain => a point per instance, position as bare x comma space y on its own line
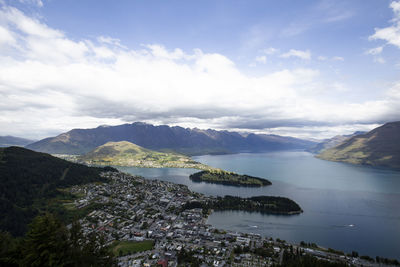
332, 142
14, 141
29, 179
379, 147
124, 153
164, 138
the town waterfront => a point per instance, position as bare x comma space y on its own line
346, 207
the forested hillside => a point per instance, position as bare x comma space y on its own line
27, 178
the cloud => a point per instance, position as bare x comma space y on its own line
380, 60
38, 3
261, 59
270, 51
375, 51
306, 55
338, 58
390, 34
50, 83
6, 37
324, 58
325, 12
335, 17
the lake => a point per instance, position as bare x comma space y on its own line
346, 207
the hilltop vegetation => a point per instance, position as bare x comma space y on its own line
30, 180
379, 147
127, 154
228, 178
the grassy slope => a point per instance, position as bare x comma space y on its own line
128, 154
379, 147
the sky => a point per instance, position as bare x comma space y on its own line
309, 69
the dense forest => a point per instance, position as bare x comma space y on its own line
30, 179
262, 204
48, 242
228, 178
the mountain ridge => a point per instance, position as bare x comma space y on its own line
378, 147
332, 142
165, 138
9, 140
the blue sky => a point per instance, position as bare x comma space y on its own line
310, 69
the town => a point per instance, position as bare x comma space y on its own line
146, 224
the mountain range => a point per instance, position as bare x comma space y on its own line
165, 138
379, 147
332, 142
9, 140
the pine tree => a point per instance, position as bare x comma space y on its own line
46, 243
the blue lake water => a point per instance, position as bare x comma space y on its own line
346, 207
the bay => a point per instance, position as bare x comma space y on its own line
346, 207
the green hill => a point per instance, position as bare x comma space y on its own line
30, 179
128, 154
379, 147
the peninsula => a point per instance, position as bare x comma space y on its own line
262, 204
228, 178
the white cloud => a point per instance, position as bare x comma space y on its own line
324, 58
375, 51
343, 15
38, 3
270, 51
338, 58
390, 34
50, 83
110, 41
337, 86
380, 60
395, 5
6, 37
261, 59
29, 26
322, 132
297, 53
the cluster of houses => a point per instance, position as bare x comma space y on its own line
133, 209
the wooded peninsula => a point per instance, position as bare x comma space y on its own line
228, 178
262, 204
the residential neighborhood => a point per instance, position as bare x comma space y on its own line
147, 224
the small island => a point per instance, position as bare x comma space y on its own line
228, 178
262, 204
